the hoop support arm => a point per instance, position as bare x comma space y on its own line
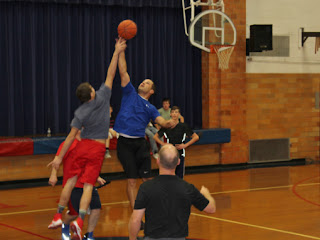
305, 35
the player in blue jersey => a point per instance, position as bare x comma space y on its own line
134, 115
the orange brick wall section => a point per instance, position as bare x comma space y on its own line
283, 106
258, 106
224, 93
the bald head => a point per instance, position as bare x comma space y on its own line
168, 156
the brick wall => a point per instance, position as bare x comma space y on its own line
258, 106
283, 105
224, 93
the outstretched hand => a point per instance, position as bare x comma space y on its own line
121, 44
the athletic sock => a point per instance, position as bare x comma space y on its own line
60, 208
82, 213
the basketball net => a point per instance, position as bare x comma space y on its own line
224, 52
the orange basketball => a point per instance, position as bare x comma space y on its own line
127, 29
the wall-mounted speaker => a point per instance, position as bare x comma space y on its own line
260, 38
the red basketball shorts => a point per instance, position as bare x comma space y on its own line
67, 164
85, 161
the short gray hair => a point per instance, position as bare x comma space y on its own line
168, 156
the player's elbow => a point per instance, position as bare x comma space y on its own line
210, 208
197, 137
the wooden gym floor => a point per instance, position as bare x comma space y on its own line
275, 203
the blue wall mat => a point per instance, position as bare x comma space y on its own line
213, 136
47, 145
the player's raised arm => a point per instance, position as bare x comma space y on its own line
119, 47
122, 64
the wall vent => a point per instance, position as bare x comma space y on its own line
269, 150
280, 45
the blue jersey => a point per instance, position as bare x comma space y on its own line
135, 113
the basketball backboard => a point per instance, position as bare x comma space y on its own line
219, 5
211, 30
212, 27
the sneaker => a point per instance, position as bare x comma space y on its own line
56, 222
156, 155
65, 235
107, 155
76, 227
88, 237
142, 225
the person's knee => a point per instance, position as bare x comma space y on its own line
87, 187
132, 183
71, 182
87, 191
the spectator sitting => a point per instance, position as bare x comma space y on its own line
150, 132
166, 110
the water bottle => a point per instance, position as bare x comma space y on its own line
49, 132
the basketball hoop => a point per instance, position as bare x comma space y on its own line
224, 52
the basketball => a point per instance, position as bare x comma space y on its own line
127, 29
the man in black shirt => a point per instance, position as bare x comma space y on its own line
166, 201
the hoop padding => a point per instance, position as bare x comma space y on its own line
224, 52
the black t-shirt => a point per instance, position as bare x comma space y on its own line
167, 200
176, 135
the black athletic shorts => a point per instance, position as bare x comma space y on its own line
74, 202
134, 156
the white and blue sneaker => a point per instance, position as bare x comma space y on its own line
88, 236
65, 232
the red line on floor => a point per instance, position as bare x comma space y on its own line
21, 230
299, 196
8, 206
